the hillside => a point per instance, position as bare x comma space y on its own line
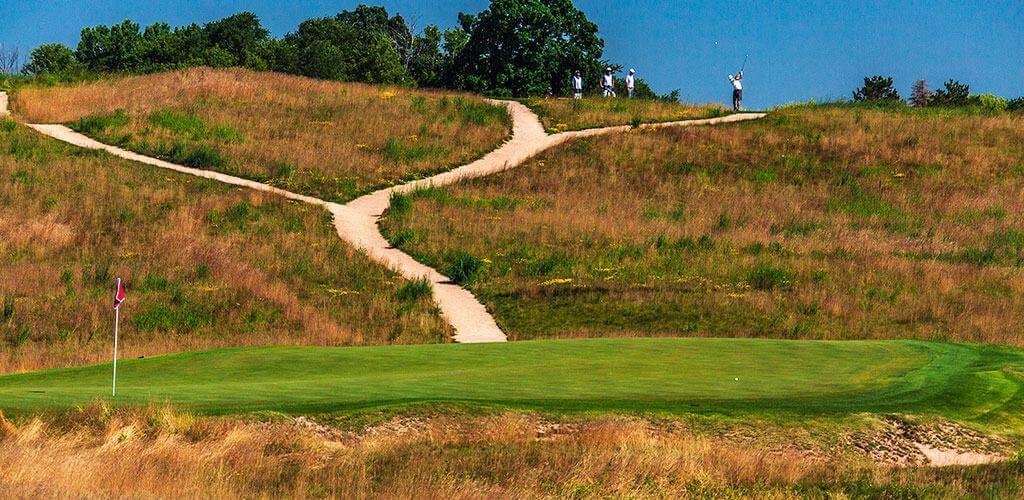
330, 140
816, 223
206, 265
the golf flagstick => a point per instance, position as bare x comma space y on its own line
118, 299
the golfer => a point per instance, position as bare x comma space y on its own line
630, 82
608, 83
737, 91
577, 85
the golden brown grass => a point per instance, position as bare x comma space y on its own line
326, 139
560, 115
159, 452
815, 223
206, 265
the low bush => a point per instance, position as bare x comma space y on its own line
462, 268
415, 290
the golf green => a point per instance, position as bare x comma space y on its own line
965, 382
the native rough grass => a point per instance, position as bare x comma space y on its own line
97, 451
206, 265
817, 222
325, 139
560, 115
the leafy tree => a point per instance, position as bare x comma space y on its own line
877, 89
52, 58
111, 48
1015, 104
954, 94
526, 47
331, 49
374, 19
239, 36
920, 94
426, 61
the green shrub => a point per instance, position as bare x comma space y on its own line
1015, 104
769, 278
400, 203
462, 268
8, 310
415, 290
100, 123
990, 102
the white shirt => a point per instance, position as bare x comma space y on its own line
629, 81
607, 80
736, 83
577, 83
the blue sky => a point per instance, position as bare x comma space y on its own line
798, 49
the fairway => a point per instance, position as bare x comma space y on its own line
972, 383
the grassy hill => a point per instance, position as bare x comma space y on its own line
206, 265
818, 222
752, 377
330, 140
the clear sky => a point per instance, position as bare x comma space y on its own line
798, 49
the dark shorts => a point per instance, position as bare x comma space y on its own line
737, 94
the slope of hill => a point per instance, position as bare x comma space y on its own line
206, 265
560, 115
329, 140
818, 222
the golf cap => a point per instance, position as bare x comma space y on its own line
631, 70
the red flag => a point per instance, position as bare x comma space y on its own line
119, 296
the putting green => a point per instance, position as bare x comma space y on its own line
965, 382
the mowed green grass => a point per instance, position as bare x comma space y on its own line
964, 382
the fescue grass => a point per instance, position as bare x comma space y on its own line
205, 265
330, 140
967, 383
96, 451
560, 115
817, 222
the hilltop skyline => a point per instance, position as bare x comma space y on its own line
797, 50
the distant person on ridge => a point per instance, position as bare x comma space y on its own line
737, 91
630, 82
608, 83
577, 85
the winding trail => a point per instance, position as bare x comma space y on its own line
3, 104
356, 221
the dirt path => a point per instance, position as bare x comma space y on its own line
3, 104
356, 222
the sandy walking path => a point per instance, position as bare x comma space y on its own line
3, 104
356, 221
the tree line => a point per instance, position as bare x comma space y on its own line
953, 93
513, 48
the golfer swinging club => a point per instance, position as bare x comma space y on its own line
737, 91
608, 83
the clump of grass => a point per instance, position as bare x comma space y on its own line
769, 278
462, 268
97, 124
400, 204
415, 290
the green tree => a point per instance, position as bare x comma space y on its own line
111, 48
952, 94
239, 35
527, 47
877, 89
52, 58
426, 61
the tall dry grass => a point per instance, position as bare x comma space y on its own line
158, 452
205, 265
814, 223
560, 115
326, 139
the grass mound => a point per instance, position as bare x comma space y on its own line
329, 140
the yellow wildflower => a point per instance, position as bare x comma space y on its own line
556, 281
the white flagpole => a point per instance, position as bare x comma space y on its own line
117, 320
